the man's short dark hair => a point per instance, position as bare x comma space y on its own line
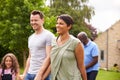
35, 12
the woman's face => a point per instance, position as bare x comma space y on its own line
8, 62
61, 27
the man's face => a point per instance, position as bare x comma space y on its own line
36, 22
81, 38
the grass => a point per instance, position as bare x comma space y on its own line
21, 70
102, 75
108, 75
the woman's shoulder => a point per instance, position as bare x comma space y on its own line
47, 32
74, 39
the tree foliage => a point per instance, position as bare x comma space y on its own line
14, 24
14, 21
78, 9
93, 31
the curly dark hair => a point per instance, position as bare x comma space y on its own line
66, 18
15, 64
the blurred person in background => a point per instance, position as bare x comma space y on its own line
91, 56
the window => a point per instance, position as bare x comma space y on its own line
118, 44
102, 55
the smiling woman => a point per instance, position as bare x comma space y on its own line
66, 50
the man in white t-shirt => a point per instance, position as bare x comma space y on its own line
39, 44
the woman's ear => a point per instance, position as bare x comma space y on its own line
69, 27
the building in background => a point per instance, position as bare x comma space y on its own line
109, 45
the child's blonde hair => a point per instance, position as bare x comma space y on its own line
15, 64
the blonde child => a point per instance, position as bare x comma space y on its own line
9, 69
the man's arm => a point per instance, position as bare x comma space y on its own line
95, 53
93, 62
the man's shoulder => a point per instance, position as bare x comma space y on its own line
93, 45
48, 33
31, 35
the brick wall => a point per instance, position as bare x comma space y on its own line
108, 42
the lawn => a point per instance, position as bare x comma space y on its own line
102, 75
21, 70
108, 75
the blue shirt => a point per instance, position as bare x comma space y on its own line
91, 50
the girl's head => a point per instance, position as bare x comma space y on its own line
10, 61
64, 23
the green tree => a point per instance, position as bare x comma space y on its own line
14, 25
78, 9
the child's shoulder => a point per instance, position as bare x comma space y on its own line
0, 70
6, 71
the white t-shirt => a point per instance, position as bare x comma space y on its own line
37, 46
